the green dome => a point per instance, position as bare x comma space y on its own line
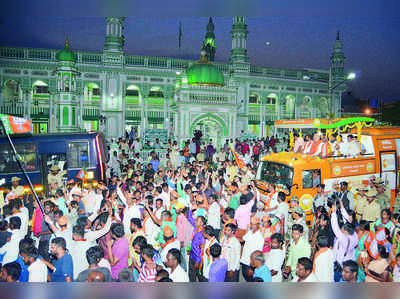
204, 73
66, 54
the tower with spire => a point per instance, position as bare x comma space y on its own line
67, 105
209, 42
239, 59
336, 75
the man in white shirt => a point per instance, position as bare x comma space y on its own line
78, 250
159, 208
173, 261
137, 145
304, 271
276, 257
37, 269
10, 249
354, 147
323, 261
132, 210
253, 241
231, 252
90, 198
165, 196
214, 214
282, 212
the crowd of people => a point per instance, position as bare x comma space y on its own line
194, 215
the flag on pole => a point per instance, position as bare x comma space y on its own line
239, 159
15, 125
180, 34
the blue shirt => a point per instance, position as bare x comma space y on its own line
264, 273
218, 271
155, 164
24, 270
195, 252
64, 268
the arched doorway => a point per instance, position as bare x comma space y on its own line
212, 127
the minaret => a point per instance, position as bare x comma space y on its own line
239, 41
210, 41
66, 99
114, 41
336, 75
337, 60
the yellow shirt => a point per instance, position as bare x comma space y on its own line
132, 253
232, 172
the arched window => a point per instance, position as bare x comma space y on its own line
65, 116
272, 99
253, 98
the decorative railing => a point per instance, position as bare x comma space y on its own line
16, 109
160, 62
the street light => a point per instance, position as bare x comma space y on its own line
350, 76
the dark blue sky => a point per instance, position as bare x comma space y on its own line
301, 35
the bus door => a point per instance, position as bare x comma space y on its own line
53, 154
388, 169
310, 179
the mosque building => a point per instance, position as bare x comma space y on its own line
109, 91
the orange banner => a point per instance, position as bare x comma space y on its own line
386, 145
351, 168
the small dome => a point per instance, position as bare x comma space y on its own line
204, 73
66, 54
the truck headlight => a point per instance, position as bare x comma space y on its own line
90, 175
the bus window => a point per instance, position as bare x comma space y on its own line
27, 152
78, 154
311, 178
57, 159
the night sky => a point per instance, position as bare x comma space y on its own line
300, 35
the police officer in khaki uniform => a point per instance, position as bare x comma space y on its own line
16, 189
55, 176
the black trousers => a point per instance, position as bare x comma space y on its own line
235, 277
194, 273
245, 272
44, 249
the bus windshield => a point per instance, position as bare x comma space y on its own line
276, 173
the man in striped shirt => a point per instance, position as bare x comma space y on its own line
149, 268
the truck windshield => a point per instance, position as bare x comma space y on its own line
276, 173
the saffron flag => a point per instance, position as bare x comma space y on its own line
371, 244
15, 125
239, 159
81, 174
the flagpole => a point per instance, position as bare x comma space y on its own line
20, 165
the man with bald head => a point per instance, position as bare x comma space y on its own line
253, 241
258, 262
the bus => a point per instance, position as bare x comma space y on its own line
298, 174
69, 151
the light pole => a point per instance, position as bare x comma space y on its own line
349, 77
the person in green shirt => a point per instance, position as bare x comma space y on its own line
299, 247
234, 202
167, 219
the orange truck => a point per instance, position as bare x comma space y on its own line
298, 174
